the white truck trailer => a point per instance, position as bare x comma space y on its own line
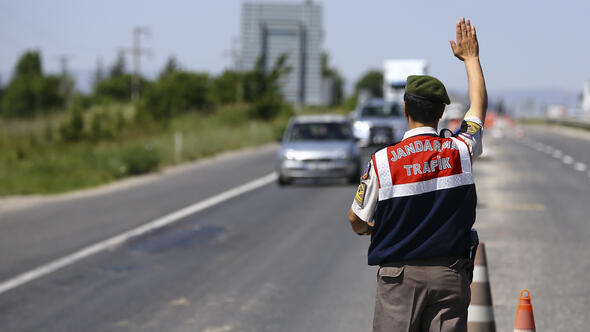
395, 73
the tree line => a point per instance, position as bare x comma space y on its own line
31, 92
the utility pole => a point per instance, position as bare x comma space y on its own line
66, 83
136, 53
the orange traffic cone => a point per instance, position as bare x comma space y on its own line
480, 314
525, 322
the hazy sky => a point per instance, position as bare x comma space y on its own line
523, 44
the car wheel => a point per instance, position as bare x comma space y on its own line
284, 181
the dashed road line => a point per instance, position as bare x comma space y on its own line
143, 229
567, 159
580, 167
548, 149
557, 154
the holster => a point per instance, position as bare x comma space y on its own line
472, 252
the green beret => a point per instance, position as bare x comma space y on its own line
427, 87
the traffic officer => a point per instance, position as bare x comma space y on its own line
417, 200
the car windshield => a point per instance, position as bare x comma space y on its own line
381, 111
320, 131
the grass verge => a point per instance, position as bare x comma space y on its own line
32, 161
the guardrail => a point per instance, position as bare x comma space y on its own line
567, 122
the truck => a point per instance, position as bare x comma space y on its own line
395, 73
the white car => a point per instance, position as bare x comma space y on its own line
318, 146
378, 122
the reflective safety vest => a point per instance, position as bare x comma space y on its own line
427, 200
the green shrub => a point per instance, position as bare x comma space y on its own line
232, 114
269, 106
117, 88
139, 159
73, 129
101, 126
228, 87
176, 93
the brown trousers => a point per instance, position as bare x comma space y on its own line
428, 295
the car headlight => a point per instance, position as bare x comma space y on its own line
290, 154
362, 126
341, 154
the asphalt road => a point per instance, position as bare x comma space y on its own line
284, 259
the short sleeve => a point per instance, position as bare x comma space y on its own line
367, 194
471, 133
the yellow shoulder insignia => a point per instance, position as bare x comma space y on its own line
470, 127
360, 194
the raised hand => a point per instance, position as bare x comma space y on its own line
466, 46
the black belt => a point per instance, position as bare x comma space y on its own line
432, 261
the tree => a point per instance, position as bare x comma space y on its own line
227, 87
176, 93
29, 92
258, 82
371, 81
99, 74
114, 88
119, 67
337, 80
172, 66
29, 65
263, 88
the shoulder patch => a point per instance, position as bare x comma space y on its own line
470, 127
366, 172
360, 194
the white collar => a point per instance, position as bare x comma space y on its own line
419, 131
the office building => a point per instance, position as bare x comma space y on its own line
269, 30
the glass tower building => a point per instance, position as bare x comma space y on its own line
269, 30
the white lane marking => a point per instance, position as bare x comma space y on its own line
567, 159
557, 154
143, 229
580, 167
539, 146
480, 313
548, 149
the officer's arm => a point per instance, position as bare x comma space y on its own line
358, 225
467, 50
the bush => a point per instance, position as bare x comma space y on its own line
117, 88
26, 96
139, 160
73, 129
176, 93
228, 88
268, 106
101, 126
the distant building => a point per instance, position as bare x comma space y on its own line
269, 30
